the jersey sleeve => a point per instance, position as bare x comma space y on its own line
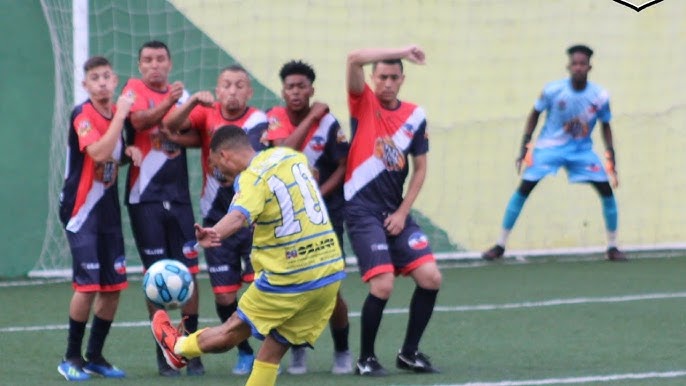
420, 141
604, 114
337, 142
86, 133
543, 101
355, 101
250, 196
198, 117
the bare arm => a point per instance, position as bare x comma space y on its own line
102, 149
228, 225
297, 137
335, 180
395, 222
177, 120
145, 119
190, 138
357, 59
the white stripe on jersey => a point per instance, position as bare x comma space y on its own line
209, 193
151, 164
322, 131
94, 195
255, 119
373, 166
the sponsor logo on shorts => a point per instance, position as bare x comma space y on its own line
91, 266
189, 250
153, 251
379, 247
594, 167
120, 265
218, 268
418, 241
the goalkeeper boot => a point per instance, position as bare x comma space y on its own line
496, 252
102, 367
614, 254
166, 336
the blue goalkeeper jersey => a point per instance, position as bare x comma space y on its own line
571, 114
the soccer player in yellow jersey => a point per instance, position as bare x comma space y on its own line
296, 256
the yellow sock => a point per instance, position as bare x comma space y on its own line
263, 374
187, 346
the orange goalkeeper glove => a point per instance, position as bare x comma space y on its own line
610, 167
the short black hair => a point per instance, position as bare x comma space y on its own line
153, 44
297, 67
95, 61
229, 137
234, 68
584, 49
389, 61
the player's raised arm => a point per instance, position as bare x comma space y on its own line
101, 150
145, 119
357, 59
177, 120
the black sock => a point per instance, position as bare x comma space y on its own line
372, 311
340, 338
99, 330
421, 308
190, 322
74, 339
224, 312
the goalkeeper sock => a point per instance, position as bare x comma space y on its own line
610, 213
263, 374
514, 207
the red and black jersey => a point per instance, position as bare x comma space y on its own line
88, 183
163, 174
381, 141
325, 145
215, 198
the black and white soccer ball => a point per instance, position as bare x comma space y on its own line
168, 284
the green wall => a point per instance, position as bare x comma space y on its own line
26, 105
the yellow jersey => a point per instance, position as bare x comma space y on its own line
294, 246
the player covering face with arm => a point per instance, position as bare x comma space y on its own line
385, 238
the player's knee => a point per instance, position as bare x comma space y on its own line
381, 286
431, 279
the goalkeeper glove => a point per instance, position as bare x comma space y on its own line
610, 166
523, 151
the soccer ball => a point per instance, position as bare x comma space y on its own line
168, 284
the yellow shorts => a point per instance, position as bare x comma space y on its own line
292, 318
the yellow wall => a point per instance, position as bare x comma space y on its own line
487, 61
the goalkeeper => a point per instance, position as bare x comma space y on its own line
572, 106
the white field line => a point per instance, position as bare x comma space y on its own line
391, 311
573, 380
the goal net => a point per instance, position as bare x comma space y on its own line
487, 61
